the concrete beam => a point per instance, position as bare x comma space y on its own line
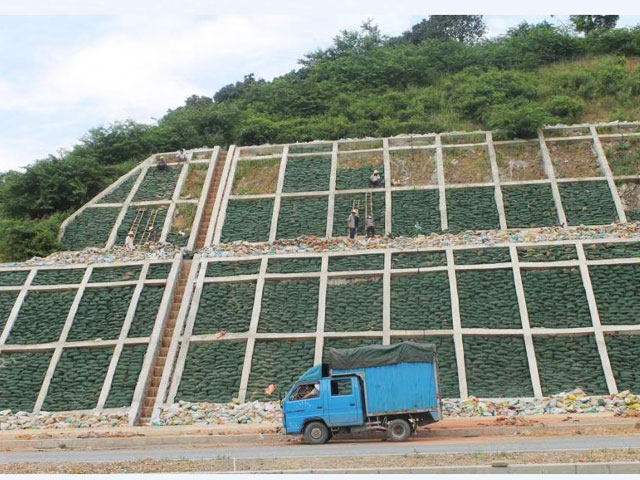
457, 325
386, 159
322, 306
526, 327
63, 338
277, 199
595, 318
548, 168
495, 173
606, 170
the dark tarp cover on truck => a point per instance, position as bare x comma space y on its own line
378, 355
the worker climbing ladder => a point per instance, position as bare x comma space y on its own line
150, 226
135, 226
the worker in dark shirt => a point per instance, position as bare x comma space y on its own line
353, 222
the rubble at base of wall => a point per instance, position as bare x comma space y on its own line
203, 414
572, 402
575, 401
51, 420
92, 255
312, 244
188, 413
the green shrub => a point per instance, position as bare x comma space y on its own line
101, 314
528, 206
420, 301
41, 318
248, 220
77, 381
289, 306
415, 213
353, 305
617, 292
497, 366
488, 299
225, 306
212, 372
126, 376
302, 216
556, 298
565, 363
472, 209
279, 363
21, 377
566, 108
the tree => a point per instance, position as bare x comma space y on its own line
463, 28
348, 43
591, 23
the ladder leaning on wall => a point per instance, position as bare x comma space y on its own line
150, 226
135, 226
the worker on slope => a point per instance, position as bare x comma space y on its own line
375, 178
370, 225
182, 156
353, 221
129, 241
162, 164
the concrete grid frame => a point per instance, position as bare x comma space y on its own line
203, 156
184, 337
546, 136
58, 347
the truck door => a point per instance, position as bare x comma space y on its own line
306, 401
345, 404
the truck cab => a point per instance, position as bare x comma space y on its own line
335, 401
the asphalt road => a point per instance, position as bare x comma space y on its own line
363, 448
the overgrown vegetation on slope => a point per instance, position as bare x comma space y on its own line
364, 84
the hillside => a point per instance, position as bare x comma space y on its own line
368, 86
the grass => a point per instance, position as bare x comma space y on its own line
195, 180
256, 177
413, 167
183, 218
354, 161
574, 159
466, 165
520, 162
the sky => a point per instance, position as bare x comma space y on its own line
86, 64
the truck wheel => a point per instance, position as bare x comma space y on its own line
398, 430
316, 433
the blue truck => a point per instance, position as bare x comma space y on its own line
377, 388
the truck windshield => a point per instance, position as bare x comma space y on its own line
306, 391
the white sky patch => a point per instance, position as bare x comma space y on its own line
97, 70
